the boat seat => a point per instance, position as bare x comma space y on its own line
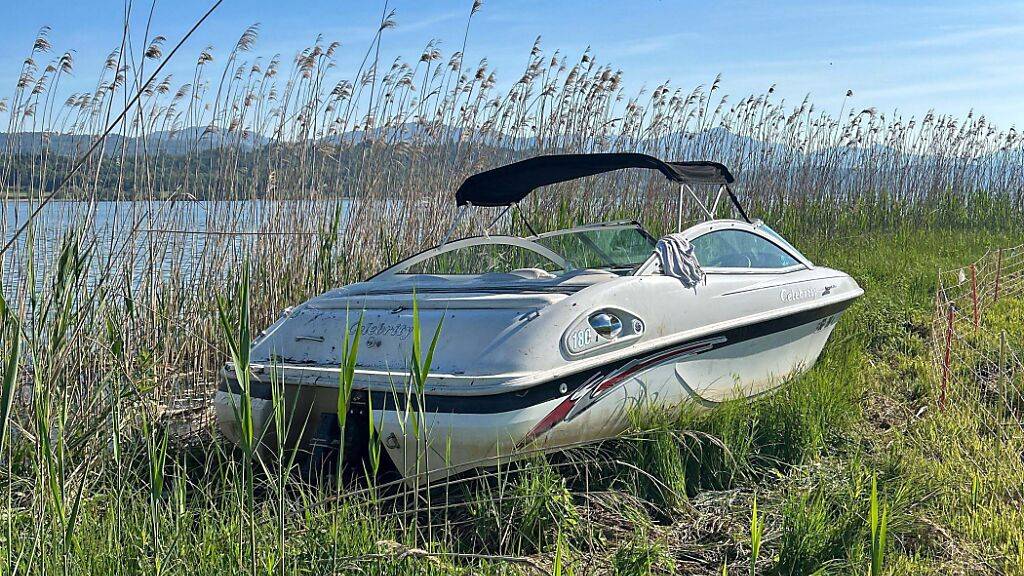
420, 279
532, 273
491, 277
586, 275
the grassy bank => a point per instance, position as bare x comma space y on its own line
677, 496
111, 334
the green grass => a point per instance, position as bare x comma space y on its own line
94, 481
857, 439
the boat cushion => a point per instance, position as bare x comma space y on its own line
532, 273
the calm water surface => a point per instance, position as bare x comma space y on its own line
166, 237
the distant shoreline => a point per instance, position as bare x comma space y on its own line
111, 196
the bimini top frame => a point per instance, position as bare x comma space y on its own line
508, 185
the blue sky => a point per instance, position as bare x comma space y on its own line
904, 56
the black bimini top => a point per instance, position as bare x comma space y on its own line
511, 183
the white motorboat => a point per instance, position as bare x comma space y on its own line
547, 340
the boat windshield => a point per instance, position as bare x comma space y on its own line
616, 248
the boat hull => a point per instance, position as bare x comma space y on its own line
458, 433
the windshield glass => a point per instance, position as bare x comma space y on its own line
482, 259
616, 248
739, 249
782, 241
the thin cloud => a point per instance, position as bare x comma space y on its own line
651, 44
430, 21
948, 86
956, 37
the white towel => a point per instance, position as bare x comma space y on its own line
678, 261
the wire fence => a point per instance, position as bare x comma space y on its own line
977, 342
976, 330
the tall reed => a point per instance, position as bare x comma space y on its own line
253, 183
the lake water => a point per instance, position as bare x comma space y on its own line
153, 235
